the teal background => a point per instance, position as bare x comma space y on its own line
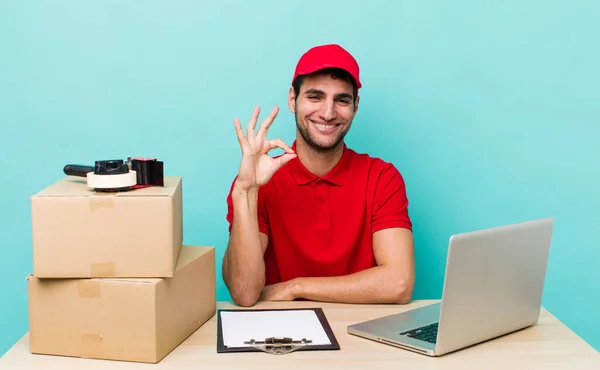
489, 109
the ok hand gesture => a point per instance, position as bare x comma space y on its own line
257, 167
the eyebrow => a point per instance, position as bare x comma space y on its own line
344, 96
321, 92
314, 91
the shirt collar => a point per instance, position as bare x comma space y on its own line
336, 176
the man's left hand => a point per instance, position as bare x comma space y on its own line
279, 292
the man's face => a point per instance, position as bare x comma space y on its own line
324, 110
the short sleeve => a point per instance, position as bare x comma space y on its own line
390, 206
263, 224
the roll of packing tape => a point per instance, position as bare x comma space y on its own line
124, 180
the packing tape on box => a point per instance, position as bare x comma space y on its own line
100, 200
88, 288
92, 346
103, 269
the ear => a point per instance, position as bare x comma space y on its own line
292, 100
356, 104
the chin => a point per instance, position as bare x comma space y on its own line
324, 146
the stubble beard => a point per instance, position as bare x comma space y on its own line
313, 144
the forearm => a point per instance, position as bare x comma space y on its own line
243, 264
380, 284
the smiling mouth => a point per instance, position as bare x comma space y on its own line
326, 128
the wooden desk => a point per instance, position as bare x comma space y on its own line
547, 345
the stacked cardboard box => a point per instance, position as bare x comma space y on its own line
111, 279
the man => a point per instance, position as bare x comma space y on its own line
319, 222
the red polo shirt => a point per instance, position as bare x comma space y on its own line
323, 226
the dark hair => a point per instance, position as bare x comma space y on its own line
335, 73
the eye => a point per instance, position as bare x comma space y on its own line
344, 101
313, 97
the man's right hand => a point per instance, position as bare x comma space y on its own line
257, 167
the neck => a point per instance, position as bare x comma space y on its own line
318, 162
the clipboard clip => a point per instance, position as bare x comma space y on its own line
278, 346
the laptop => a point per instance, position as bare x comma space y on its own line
493, 286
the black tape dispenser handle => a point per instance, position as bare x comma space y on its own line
77, 170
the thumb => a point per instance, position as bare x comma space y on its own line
279, 162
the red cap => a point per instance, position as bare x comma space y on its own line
327, 56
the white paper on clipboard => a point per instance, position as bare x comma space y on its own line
241, 326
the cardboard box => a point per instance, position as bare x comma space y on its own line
139, 320
80, 233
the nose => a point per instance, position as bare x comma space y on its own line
327, 112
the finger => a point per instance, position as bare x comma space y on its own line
278, 143
281, 161
239, 131
252, 123
264, 127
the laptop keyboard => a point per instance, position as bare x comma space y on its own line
427, 333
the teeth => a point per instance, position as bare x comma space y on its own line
324, 127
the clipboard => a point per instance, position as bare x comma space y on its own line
233, 323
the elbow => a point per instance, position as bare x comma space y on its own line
245, 299
404, 298
246, 295
242, 293
402, 293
